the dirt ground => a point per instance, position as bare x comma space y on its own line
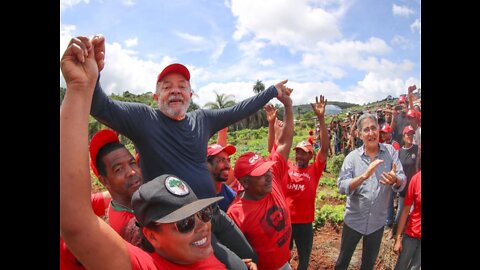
326, 246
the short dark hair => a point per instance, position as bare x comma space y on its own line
106, 149
210, 159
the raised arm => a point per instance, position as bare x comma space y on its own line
271, 118
286, 137
411, 96
89, 238
319, 109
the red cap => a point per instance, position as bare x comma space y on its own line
214, 149
413, 113
99, 140
252, 164
310, 132
401, 99
174, 68
305, 146
386, 128
408, 129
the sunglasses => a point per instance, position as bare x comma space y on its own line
187, 225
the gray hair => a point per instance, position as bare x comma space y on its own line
365, 116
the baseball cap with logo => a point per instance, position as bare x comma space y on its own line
174, 68
408, 129
386, 128
99, 140
166, 199
305, 146
251, 164
214, 149
413, 113
401, 99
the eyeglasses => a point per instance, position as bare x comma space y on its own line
223, 160
187, 225
368, 129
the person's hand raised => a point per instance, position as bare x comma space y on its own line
282, 89
271, 112
389, 178
78, 63
372, 167
98, 42
319, 106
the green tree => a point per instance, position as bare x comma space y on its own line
258, 87
221, 101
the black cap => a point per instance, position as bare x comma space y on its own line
166, 199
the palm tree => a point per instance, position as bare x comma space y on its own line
221, 101
258, 87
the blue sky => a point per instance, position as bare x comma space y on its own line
347, 50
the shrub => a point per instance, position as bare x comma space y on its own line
329, 213
336, 164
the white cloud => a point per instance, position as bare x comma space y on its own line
416, 25
190, 38
251, 48
64, 4
292, 23
266, 62
218, 50
330, 59
402, 11
375, 87
123, 71
129, 3
403, 42
131, 42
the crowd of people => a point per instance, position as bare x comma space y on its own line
180, 204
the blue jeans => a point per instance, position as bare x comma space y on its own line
371, 247
411, 256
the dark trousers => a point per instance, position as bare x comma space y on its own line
228, 242
302, 233
371, 247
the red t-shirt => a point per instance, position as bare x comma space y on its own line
99, 203
141, 259
119, 217
236, 186
266, 223
396, 145
67, 259
310, 139
302, 190
414, 195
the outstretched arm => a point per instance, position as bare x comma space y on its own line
286, 137
89, 238
271, 117
319, 109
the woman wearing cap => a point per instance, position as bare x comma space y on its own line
180, 233
408, 157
